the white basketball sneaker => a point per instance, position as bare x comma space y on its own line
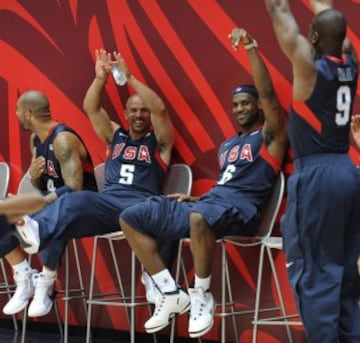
201, 313
27, 232
167, 307
43, 297
23, 293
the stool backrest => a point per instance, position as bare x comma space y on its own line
178, 180
4, 178
272, 207
25, 185
99, 172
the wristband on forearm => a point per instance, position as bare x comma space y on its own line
251, 45
31, 177
62, 190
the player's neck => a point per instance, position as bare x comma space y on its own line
43, 129
253, 128
137, 135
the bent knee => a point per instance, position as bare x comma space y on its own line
124, 226
197, 223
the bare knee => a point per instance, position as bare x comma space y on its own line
125, 227
198, 225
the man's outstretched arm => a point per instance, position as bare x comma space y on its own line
98, 116
160, 118
295, 46
275, 126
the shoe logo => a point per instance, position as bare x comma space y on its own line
289, 264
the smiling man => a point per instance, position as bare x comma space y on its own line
249, 164
136, 165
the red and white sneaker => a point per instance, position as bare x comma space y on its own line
27, 232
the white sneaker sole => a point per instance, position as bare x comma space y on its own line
32, 313
15, 310
197, 334
171, 317
28, 237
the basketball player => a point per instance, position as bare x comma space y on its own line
249, 164
321, 227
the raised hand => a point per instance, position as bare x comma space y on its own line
239, 36
355, 129
103, 63
320, 5
37, 165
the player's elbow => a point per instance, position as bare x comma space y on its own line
266, 91
158, 106
87, 106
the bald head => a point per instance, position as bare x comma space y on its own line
36, 102
138, 116
330, 25
133, 98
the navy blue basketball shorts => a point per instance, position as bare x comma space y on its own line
321, 230
162, 217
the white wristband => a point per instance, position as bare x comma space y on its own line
251, 45
30, 177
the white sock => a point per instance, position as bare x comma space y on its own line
203, 283
148, 281
164, 281
48, 273
22, 266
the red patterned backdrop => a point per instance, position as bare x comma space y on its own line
180, 48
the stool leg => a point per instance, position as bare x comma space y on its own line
58, 320
91, 291
66, 314
258, 292
223, 292
132, 308
231, 299
281, 300
118, 276
8, 291
80, 275
177, 276
24, 325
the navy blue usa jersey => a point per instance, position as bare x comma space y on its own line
51, 178
322, 123
134, 164
247, 170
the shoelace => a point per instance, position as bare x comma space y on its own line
197, 307
159, 305
22, 282
41, 287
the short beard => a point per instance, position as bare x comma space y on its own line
256, 118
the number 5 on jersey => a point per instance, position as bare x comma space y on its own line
127, 174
